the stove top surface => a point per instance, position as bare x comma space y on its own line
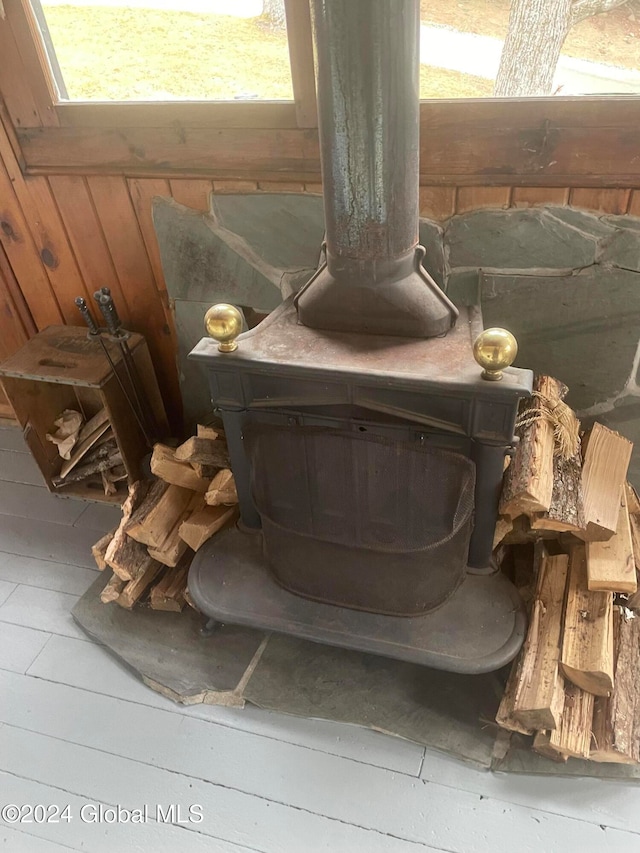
282, 344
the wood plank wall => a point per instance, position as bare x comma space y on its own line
62, 236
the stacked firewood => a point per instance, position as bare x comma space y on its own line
165, 521
570, 532
88, 449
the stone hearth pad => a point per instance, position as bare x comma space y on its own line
442, 711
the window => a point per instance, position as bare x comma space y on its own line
547, 54
160, 50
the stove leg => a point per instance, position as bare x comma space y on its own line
209, 628
489, 461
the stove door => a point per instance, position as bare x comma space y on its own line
358, 520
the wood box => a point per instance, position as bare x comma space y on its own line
61, 368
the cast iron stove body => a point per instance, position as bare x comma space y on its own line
367, 449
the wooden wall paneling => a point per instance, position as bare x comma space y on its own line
16, 324
235, 186
86, 238
281, 186
20, 307
534, 196
24, 257
142, 192
437, 203
634, 203
117, 217
50, 239
303, 78
13, 331
602, 200
192, 193
475, 198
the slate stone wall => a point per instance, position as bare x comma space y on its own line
566, 282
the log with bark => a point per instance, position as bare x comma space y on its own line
616, 719
528, 481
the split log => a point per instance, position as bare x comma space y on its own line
170, 550
222, 489
202, 525
566, 511
604, 473
85, 443
207, 472
204, 451
633, 501
616, 720
136, 588
165, 466
155, 491
208, 432
539, 695
542, 745
503, 526
168, 594
587, 647
160, 513
610, 565
573, 737
190, 600
505, 717
100, 549
124, 556
528, 481
85, 471
112, 590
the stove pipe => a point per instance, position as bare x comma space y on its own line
368, 111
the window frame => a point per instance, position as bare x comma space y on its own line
588, 141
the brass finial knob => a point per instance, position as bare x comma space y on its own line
495, 349
223, 323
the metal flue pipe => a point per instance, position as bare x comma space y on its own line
368, 112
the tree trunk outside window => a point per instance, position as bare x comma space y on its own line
274, 11
537, 31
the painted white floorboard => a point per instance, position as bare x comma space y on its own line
32, 537
11, 439
19, 646
393, 804
99, 517
229, 815
34, 502
92, 668
6, 589
15, 841
57, 577
607, 802
43, 609
102, 837
20, 468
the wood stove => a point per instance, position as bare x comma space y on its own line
367, 445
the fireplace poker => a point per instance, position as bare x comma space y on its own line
95, 333
121, 336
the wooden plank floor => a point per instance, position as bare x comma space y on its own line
78, 729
